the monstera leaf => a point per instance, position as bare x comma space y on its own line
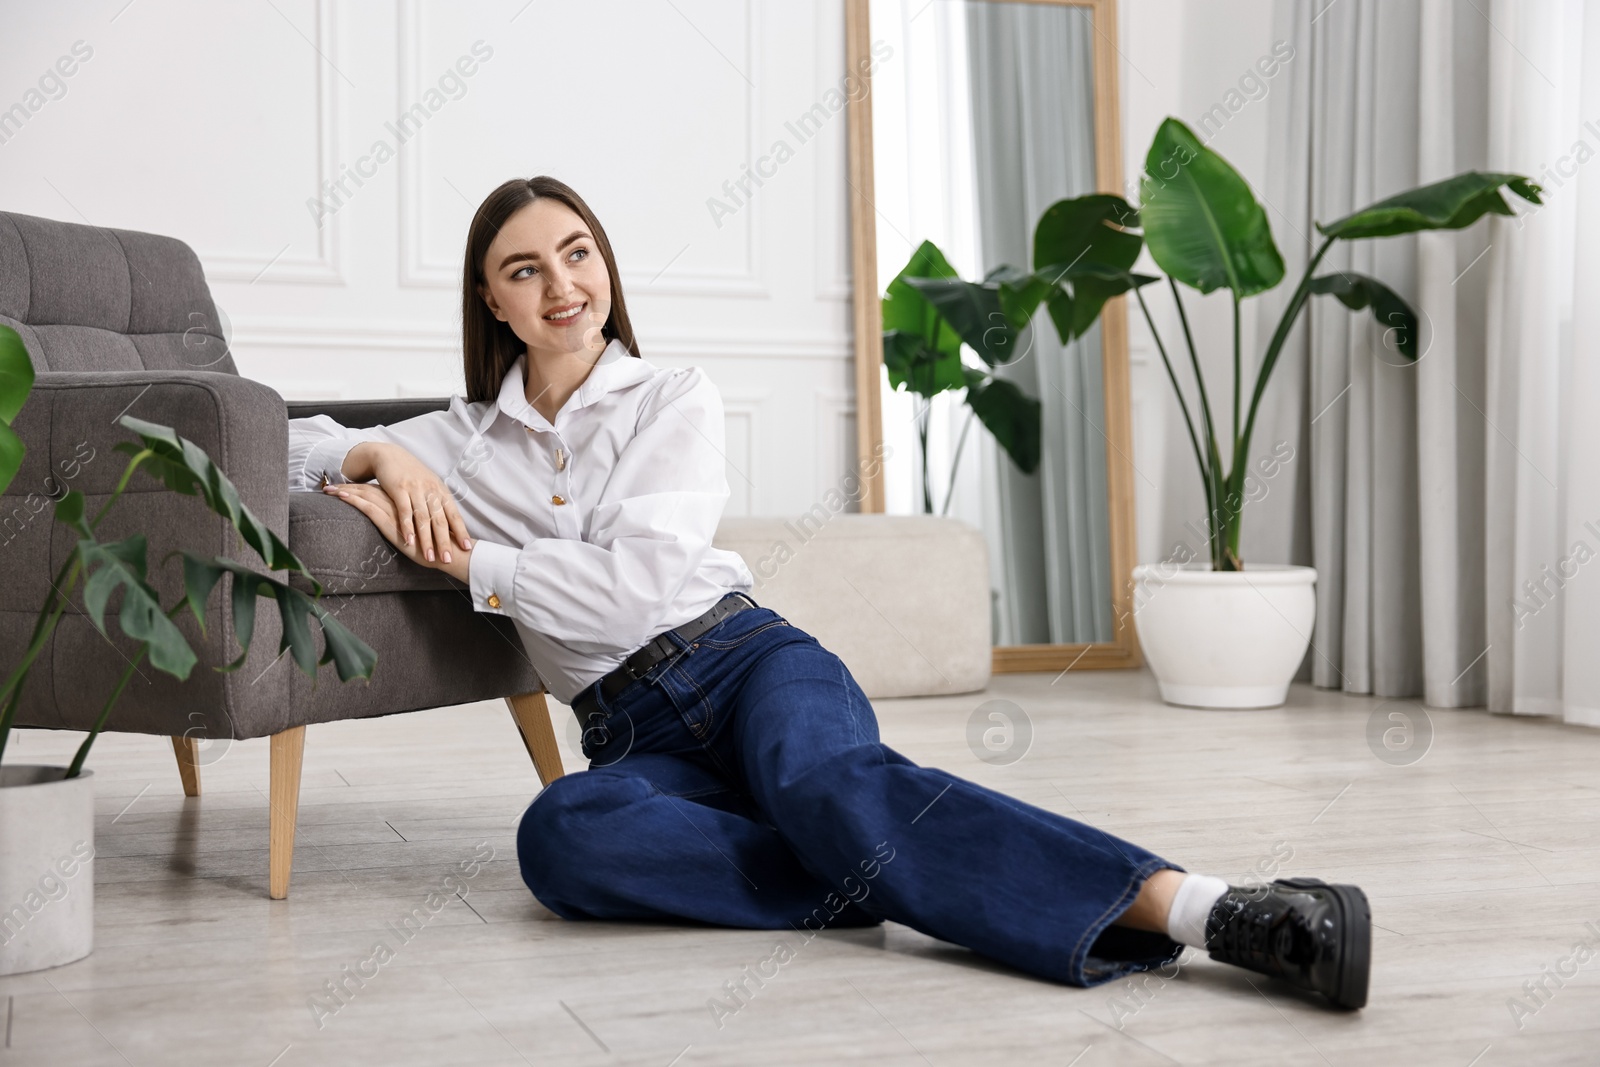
351, 657
121, 565
185, 468
16, 382
1201, 220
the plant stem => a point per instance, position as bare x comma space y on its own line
105, 712
1236, 376
1194, 441
922, 440
133, 465
955, 462
49, 616
1268, 362
1214, 496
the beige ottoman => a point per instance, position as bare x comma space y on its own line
902, 599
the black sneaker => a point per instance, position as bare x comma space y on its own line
1314, 935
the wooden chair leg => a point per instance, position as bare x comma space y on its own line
288, 748
187, 749
532, 716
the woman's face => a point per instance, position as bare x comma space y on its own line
547, 280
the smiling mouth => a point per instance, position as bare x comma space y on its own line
565, 315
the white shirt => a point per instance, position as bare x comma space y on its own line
593, 533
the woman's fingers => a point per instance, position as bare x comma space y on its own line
402, 511
440, 526
379, 507
458, 525
422, 520
382, 516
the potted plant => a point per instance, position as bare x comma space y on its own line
47, 812
1215, 633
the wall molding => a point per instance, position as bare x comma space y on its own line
325, 267
741, 411
418, 272
346, 334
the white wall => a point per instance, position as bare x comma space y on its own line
1181, 57
217, 123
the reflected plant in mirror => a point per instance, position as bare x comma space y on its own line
922, 353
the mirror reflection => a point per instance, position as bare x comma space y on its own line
982, 120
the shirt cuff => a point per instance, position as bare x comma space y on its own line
325, 461
491, 573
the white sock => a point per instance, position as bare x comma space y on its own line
1191, 906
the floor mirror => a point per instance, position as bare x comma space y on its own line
977, 115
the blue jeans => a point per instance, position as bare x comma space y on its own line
741, 782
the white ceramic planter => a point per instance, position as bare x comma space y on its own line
46, 867
1224, 639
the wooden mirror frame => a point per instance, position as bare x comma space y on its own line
1123, 649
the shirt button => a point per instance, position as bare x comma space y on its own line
557, 500
494, 601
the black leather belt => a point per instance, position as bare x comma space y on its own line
654, 651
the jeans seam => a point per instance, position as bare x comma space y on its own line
741, 639
700, 732
1093, 931
850, 698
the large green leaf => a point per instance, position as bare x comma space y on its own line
185, 468
351, 657
920, 350
121, 565
69, 510
16, 382
1088, 234
1011, 416
988, 315
1201, 220
1357, 291
16, 374
1087, 229
1448, 205
913, 365
1079, 292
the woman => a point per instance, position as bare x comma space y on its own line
736, 776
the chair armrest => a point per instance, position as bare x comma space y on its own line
359, 414
69, 425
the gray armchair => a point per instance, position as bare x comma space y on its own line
119, 321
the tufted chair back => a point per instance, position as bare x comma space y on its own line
92, 299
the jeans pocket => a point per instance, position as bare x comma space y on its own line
737, 629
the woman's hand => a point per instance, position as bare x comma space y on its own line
425, 511
379, 506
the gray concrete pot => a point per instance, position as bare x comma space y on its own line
46, 867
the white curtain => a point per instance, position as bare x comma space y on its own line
1032, 85
1451, 507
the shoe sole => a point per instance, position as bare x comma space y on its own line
1355, 941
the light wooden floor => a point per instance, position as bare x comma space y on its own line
1482, 862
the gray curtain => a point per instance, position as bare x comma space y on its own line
1439, 498
1033, 127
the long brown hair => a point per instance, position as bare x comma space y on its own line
489, 347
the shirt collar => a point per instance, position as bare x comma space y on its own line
616, 368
